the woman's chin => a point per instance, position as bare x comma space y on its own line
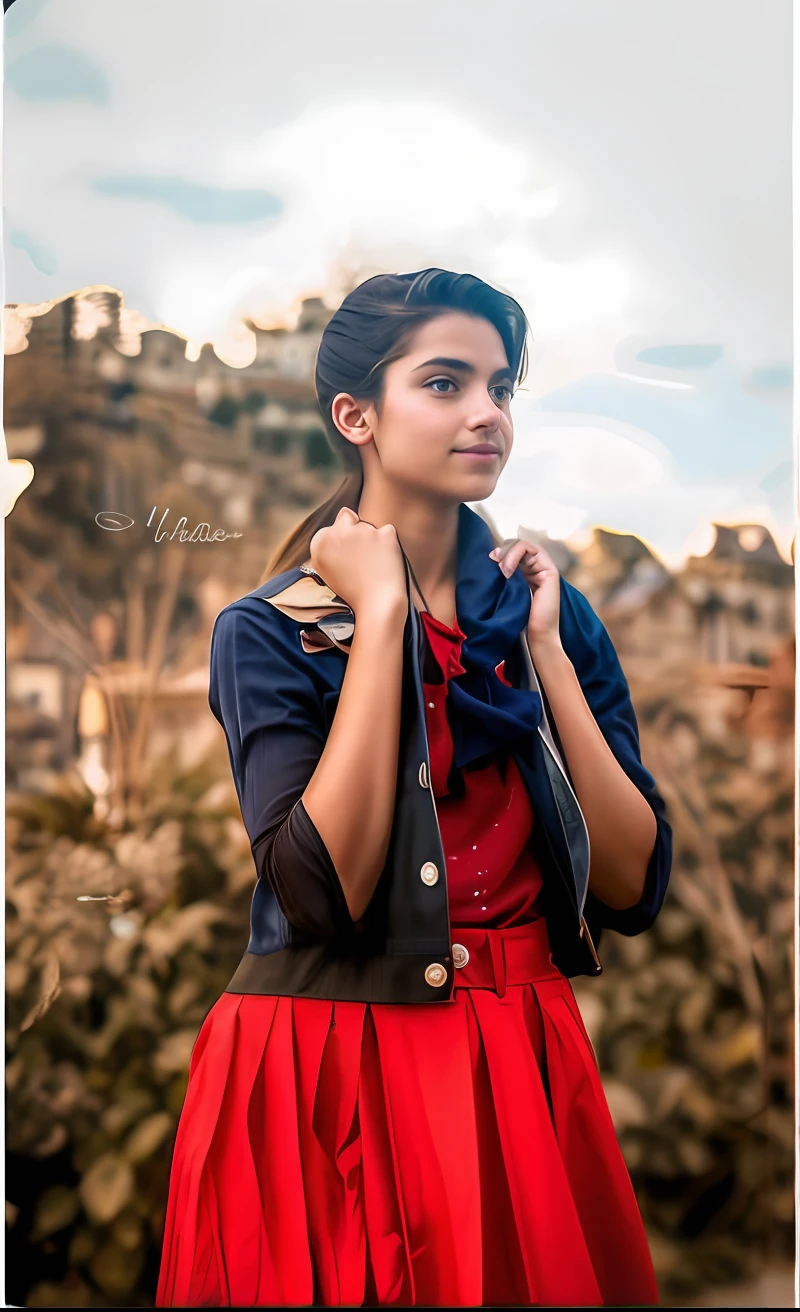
479, 485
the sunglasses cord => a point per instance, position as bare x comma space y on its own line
414, 577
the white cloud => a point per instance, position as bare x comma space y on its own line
594, 459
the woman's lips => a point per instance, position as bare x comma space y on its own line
479, 455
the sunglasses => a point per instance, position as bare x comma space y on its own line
336, 629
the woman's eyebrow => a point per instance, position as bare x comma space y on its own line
447, 362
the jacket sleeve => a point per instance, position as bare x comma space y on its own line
607, 693
270, 711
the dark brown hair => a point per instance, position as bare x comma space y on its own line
374, 326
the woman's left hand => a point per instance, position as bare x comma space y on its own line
544, 581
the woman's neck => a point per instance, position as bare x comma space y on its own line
429, 537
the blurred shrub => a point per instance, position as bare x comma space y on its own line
693, 1020
104, 1001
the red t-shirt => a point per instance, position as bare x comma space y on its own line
493, 879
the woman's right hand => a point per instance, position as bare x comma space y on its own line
360, 563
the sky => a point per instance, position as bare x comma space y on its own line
623, 170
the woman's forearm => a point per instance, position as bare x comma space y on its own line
622, 826
351, 795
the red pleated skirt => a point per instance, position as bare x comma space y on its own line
460, 1154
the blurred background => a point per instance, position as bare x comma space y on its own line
188, 195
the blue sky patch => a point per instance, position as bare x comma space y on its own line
773, 376
709, 430
683, 356
777, 476
20, 16
40, 257
198, 204
56, 72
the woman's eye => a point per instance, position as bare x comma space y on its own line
500, 387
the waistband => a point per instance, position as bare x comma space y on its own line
500, 958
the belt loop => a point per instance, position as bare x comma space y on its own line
498, 961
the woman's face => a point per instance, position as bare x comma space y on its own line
452, 390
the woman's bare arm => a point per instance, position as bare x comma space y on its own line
351, 796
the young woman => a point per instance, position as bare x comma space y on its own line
395, 1102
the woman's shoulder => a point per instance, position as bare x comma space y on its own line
256, 658
248, 619
276, 610
579, 620
577, 608
250, 637
586, 640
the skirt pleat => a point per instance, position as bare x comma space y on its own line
345, 1153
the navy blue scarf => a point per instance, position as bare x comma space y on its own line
484, 713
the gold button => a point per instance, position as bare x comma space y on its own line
460, 956
423, 774
429, 874
436, 974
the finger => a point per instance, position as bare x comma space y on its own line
533, 551
537, 558
509, 557
521, 543
524, 556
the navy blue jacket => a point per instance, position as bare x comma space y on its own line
275, 678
